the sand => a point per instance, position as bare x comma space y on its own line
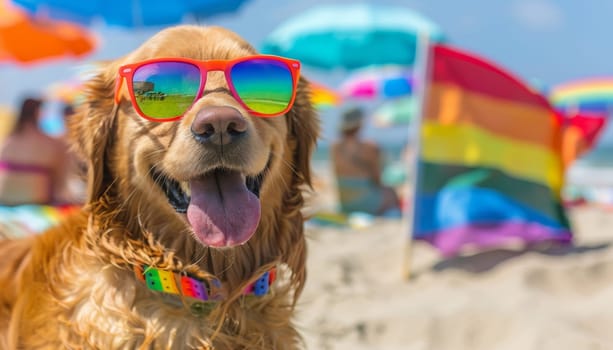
548, 298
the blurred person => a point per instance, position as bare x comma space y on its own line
67, 111
32, 164
357, 165
76, 168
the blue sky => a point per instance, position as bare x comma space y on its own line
550, 41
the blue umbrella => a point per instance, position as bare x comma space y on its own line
129, 13
352, 36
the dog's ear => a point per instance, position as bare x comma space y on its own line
303, 130
91, 128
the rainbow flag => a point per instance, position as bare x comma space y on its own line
580, 134
490, 167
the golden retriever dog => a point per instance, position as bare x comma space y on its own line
206, 208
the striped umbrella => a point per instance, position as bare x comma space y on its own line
378, 82
593, 95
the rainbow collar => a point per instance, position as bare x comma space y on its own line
181, 284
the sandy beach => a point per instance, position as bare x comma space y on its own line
547, 298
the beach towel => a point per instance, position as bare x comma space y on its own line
25, 220
359, 195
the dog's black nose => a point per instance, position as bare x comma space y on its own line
218, 125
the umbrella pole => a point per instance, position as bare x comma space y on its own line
422, 70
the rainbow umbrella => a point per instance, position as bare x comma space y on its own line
68, 92
323, 97
378, 83
585, 96
71, 90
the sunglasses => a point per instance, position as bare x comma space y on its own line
164, 89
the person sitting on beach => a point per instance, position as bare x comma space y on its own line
32, 164
357, 166
76, 168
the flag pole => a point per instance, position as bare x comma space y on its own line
421, 73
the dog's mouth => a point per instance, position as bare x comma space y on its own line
223, 206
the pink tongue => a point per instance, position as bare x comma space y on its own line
222, 211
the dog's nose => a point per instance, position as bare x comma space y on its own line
218, 125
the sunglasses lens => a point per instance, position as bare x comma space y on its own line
265, 86
165, 90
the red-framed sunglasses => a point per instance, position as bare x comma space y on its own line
163, 89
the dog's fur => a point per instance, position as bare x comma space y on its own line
73, 287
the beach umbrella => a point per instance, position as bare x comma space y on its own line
401, 111
129, 13
323, 97
26, 40
69, 91
352, 36
585, 96
379, 82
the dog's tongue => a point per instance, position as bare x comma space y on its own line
222, 211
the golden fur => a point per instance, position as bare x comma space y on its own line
73, 287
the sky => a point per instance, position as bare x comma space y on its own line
544, 41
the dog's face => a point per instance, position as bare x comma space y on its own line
216, 173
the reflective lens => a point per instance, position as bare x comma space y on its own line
265, 86
165, 89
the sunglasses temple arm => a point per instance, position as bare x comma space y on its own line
118, 84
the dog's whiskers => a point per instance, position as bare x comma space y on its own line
290, 166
